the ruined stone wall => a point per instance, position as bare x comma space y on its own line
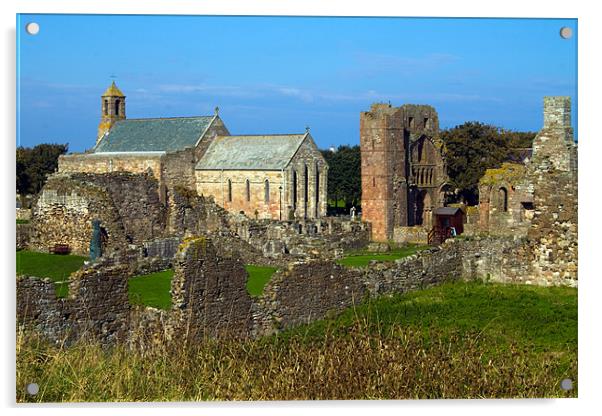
555, 141
403, 170
127, 204
382, 143
553, 238
191, 214
323, 238
210, 298
505, 200
209, 292
304, 293
413, 235
63, 214
136, 198
23, 234
97, 306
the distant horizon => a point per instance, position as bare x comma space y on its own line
277, 75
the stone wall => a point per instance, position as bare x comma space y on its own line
177, 169
209, 292
229, 190
304, 293
113, 162
539, 202
63, 214
127, 205
553, 238
23, 235
322, 238
403, 170
506, 200
190, 214
97, 306
414, 235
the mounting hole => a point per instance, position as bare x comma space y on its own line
32, 28
566, 384
566, 32
32, 389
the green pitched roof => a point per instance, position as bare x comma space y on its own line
251, 152
153, 134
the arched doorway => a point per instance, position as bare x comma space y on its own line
424, 209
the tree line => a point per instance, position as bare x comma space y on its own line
34, 164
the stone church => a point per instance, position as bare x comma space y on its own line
276, 177
403, 170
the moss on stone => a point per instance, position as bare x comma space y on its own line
508, 172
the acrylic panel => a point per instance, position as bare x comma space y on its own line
295, 208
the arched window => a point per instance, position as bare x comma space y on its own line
106, 108
503, 199
117, 102
317, 195
266, 191
305, 189
229, 190
248, 188
294, 190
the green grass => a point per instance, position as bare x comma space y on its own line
22, 221
458, 340
151, 289
54, 266
541, 319
259, 276
362, 258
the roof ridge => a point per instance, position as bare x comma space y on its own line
263, 135
163, 118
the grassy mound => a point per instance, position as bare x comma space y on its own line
54, 266
454, 341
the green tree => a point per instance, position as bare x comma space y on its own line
473, 147
344, 175
35, 164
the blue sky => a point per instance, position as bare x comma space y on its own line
280, 74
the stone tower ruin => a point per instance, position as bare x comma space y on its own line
112, 104
403, 171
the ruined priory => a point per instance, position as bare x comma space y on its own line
183, 193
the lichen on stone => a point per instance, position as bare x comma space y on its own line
508, 172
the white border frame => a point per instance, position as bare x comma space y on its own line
589, 71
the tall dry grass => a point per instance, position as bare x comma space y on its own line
399, 363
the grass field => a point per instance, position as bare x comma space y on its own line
259, 276
362, 258
56, 267
458, 340
151, 289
